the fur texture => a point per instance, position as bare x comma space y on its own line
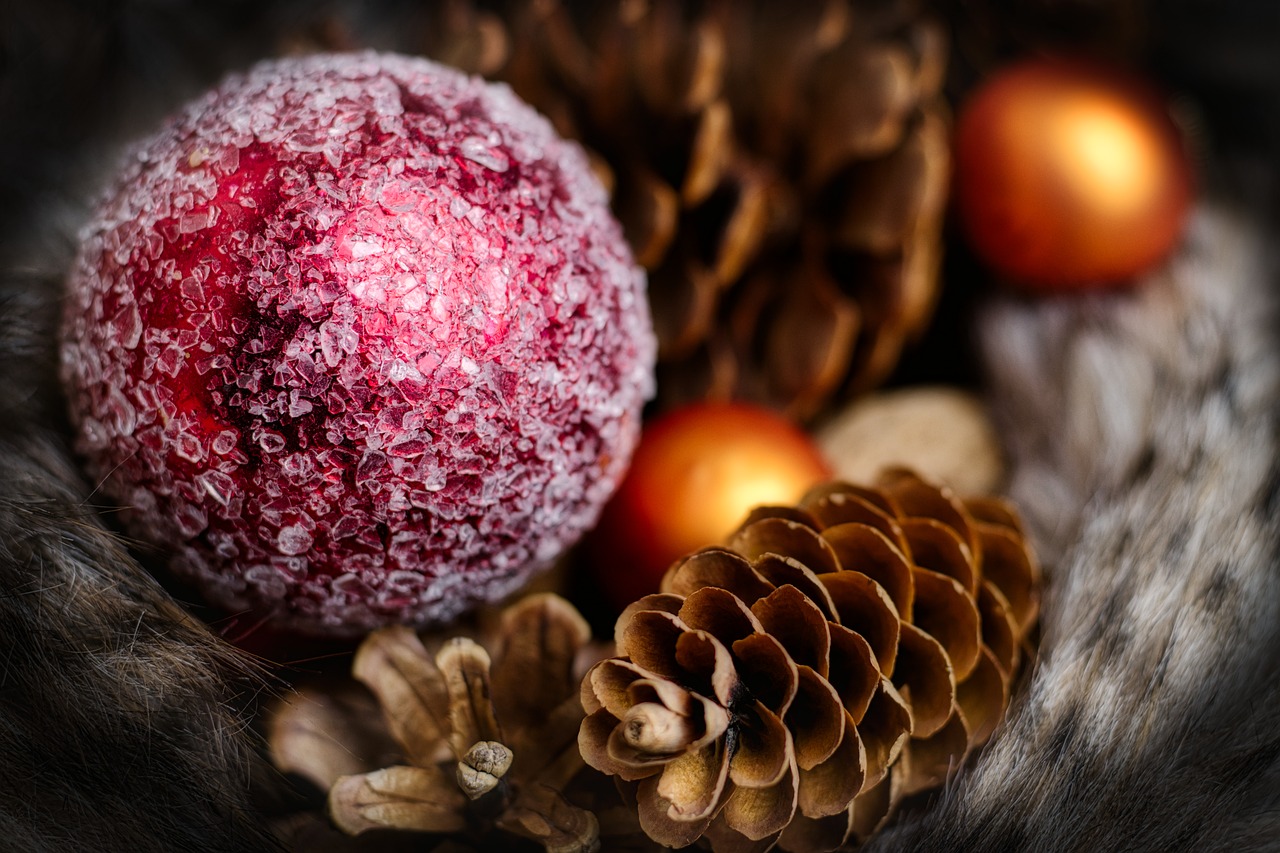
1143, 431
117, 724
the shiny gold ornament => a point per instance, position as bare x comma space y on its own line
696, 472
1069, 175
834, 658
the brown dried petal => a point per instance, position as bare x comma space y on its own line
937, 547
720, 613
597, 741
925, 679
425, 799
927, 762
606, 685
916, 496
541, 814
660, 601
708, 666
783, 571
653, 729
464, 664
948, 614
649, 639
324, 734
649, 210
817, 835
764, 745
811, 339
716, 567
744, 232
884, 730
393, 663
864, 606
790, 513
871, 808
693, 782
657, 823
816, 719
533, 669
863, 548
853, 671
999, 630
1009, 564
838, 506
790, 616
997, 511
649, 736
830, 787
780, 536
684, 294
758, 813
767, 671
982, 698
864, 98
874, 498
709, 153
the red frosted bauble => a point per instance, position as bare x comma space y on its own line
356, 341
696, 474
1069, 175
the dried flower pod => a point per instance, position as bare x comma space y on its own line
467, 743
835, 657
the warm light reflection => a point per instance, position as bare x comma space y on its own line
1112, 153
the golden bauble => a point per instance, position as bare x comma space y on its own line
1069, 175
696, 473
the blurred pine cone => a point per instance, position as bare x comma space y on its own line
476, 751
780, 169
833, 659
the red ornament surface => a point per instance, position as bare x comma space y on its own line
1069, 175
355, 339
697, 473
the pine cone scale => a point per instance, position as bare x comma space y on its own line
949, 614
760, 759
836, 701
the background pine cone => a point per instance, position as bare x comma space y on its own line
834, 658
780, 170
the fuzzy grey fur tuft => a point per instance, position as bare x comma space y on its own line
116, 726
1144, 443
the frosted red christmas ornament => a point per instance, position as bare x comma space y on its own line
355, 339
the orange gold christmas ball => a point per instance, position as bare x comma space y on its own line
695, 475
1069, 175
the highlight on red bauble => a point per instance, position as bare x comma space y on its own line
696, 474
1069, 175
355, 340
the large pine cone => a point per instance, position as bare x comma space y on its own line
792, 687
780, 169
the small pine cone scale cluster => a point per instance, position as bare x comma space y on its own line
790, 688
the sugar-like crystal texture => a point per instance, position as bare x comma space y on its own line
355, 339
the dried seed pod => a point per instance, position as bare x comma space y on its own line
833, 658
468, 743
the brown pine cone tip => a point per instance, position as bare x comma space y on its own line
465, 742
792, 687
780, 170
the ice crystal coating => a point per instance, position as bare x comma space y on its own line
355, 339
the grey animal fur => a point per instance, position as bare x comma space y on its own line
118, 730
1143, 432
